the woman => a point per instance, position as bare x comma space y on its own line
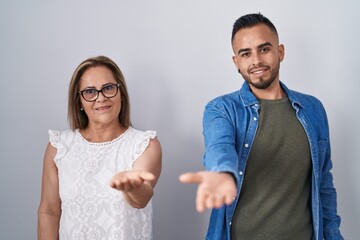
98, 177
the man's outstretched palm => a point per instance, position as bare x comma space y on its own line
214, 189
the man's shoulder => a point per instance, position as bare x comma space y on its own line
306, 98
228, 98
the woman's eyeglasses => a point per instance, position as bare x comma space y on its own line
92, 94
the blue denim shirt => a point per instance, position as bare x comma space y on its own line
229, 127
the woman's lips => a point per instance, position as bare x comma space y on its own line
103, 108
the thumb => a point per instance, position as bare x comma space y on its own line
190, 177
147, 176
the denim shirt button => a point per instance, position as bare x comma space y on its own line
255, 119
246, 145
241, 173
230, 223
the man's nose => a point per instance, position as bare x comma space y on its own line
256, 59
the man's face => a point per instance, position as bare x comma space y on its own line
258, 55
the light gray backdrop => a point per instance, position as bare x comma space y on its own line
176, 56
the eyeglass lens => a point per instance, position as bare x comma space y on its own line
92, 94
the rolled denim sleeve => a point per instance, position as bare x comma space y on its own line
331, 221
219, 135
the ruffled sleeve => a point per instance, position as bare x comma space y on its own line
58, 140
143, 142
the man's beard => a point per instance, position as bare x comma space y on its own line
262, 83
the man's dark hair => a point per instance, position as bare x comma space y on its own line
251, 20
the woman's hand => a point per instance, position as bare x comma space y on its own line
137, 185
130, 180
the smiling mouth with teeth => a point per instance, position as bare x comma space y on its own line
258, 71
103, 108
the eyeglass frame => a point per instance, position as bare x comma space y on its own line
117, 85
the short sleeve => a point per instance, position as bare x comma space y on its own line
143, 142
59, 141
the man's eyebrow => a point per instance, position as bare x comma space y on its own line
258, 47
243, 50
264, 45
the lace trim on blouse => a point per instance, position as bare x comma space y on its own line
77, 131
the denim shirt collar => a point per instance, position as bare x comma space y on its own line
249, 99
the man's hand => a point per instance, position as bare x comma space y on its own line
130, 180
214, 190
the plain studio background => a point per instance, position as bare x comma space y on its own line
176, 56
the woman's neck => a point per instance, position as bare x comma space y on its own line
102, 133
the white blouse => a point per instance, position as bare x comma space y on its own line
90, 208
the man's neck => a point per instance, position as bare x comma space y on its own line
273, 92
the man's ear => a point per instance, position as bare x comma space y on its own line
281, 52
235, 60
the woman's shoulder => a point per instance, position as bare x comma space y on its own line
140, 140
61, 137
62, 132
136, 133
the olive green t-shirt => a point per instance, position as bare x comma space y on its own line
274, 202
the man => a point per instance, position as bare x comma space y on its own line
267, 151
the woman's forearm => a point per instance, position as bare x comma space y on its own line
48, 226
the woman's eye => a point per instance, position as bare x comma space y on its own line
107, 88
89, 91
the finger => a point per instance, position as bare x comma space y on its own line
231, 194
112, 184
219, 201
210, 202
117, 185
136, 182
127, 184
125, 187
229, 199
200, 200
190, 178
120, 184
117, 177
128, 188
124, 180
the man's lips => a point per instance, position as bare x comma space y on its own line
258, 71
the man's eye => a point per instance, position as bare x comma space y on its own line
264, 50
246, 54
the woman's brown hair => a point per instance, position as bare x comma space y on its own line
77, 118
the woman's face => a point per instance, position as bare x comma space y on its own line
104, 110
